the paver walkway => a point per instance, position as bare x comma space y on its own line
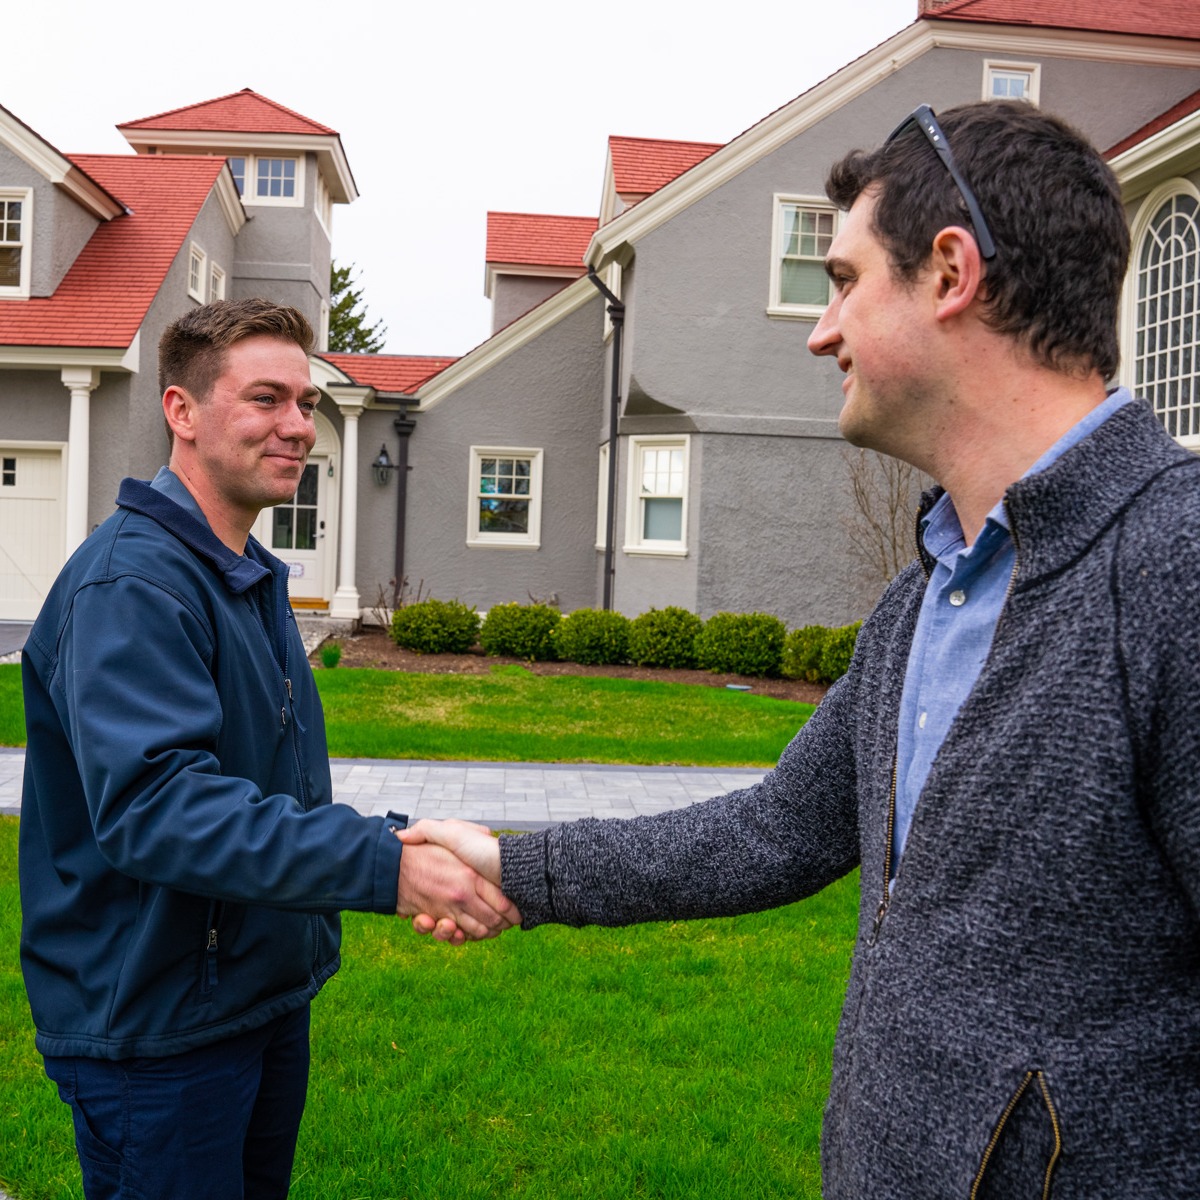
500, 795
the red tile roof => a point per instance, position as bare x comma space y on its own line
104, 296
1185, 107
239, 112
1154, 18
402, 373
531, 239
643, 165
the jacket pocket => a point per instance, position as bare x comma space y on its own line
209, 964
1024, 1148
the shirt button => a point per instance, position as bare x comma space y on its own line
921, 720
958, 599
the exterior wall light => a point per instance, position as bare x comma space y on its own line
382, 467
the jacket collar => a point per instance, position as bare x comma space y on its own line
240, 572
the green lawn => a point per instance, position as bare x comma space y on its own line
674, 1060
515, 716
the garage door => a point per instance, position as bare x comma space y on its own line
31, 528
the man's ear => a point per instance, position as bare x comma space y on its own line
957, 269
179, 408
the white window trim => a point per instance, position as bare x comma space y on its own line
323, 205
296, 201
506, 541
1138, 229
995, 66
602, 499
23, 288
324, 330
795, 312
199, 259
635, 544
216, 282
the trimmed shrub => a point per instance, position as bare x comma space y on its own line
838, 651
331, 654
435, 627
520, 630
802, 650
664, 637
592, 636
741, 644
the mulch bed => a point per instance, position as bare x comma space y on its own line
371, 647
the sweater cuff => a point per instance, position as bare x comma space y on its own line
524, 877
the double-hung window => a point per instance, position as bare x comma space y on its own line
656, 515
505, 507
197, 280
803, 233
16, 229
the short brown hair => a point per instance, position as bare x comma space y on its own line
191, 351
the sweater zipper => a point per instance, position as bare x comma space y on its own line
881, 912
1005, 1116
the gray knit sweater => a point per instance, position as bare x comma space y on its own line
1024, 1020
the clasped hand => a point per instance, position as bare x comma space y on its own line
450, 882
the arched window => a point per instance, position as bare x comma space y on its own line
1168, 315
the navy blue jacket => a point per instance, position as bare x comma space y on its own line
181, 863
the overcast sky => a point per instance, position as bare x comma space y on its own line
446, 110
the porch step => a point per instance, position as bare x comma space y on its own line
315, 628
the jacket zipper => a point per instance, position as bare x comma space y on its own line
1030, 1076
209, 980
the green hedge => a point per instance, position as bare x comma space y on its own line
819, 654
520, 631
592, 636
435, 627
741, 644
664, 637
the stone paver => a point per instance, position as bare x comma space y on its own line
502, 795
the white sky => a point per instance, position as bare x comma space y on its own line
446, 109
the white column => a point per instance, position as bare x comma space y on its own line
81, 381
345, 601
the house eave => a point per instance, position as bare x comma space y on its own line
1171, 151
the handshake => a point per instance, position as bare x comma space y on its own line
450, 882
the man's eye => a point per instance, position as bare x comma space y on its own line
308, 407
265, 398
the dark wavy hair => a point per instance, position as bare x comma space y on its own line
1053, 207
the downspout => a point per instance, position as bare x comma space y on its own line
616, 312
403, 425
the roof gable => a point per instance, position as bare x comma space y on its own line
1162, 18
534, 239
105, 295
388, 372
642, 165
1185, 108
238, 112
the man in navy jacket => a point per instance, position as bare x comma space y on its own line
182, 864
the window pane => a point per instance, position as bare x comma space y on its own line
306, 493
803, 283
281, 528
662, 520
10, 266
503, 516
238, 167
306, 529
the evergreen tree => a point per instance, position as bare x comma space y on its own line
348, 328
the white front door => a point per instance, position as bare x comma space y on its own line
32, 532
296, 533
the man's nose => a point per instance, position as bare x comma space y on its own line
825, 337
294, 422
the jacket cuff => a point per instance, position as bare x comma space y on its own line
524, 878
387, 863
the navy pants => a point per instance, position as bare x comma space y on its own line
217, 1123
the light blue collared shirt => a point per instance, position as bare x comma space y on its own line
962, 603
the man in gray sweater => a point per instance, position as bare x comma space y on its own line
1013, 758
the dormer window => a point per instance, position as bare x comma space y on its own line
16, 230
262, 179
197, 273
1011, 81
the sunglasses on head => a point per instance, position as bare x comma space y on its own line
925, 120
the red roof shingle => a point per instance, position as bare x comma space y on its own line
532, 239
239, 112
643, 165
1160, 18
402, 373
104, 296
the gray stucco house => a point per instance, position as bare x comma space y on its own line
730, 478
